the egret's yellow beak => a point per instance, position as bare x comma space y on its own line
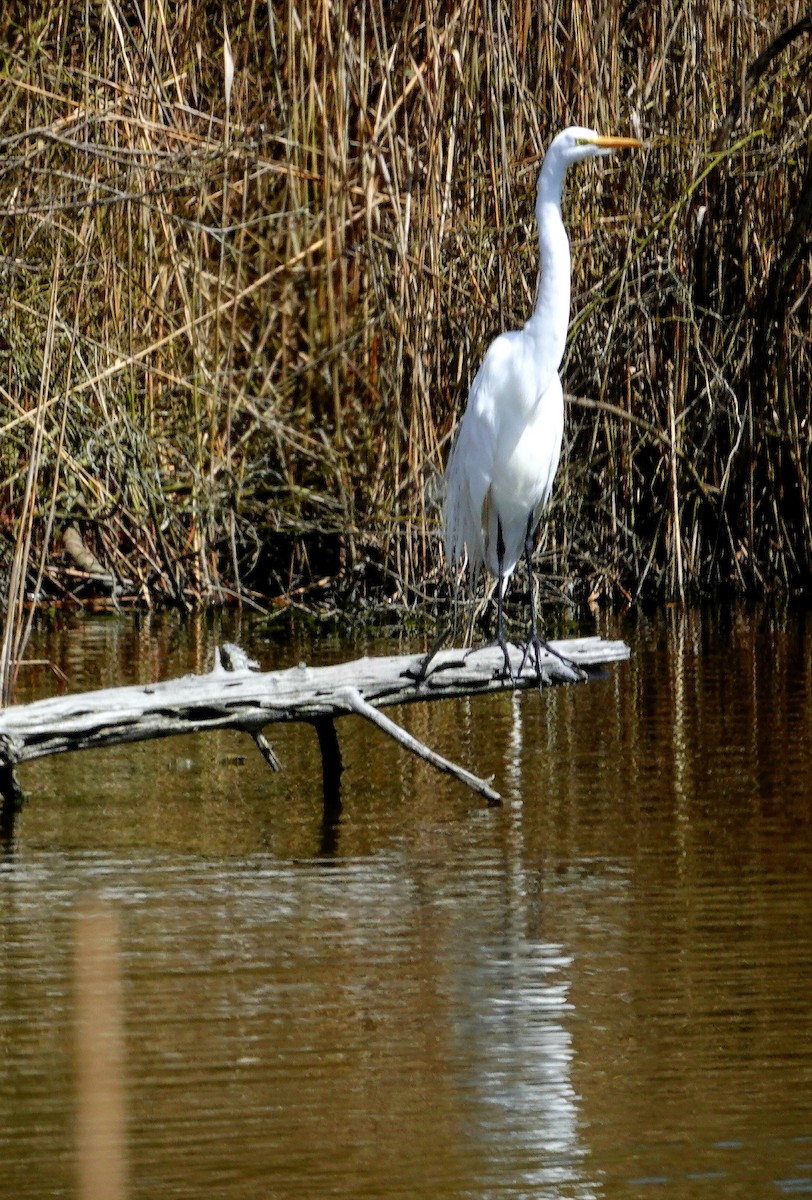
615, 143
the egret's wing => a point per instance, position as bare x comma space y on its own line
467, 483
471, 466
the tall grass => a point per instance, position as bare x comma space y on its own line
242, 378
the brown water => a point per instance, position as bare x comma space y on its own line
602, 988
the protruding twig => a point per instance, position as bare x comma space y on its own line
266, 750
357, 704
231, 657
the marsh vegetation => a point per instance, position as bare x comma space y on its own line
249, 271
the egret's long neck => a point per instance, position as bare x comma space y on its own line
551, 317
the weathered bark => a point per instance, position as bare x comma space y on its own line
247, 700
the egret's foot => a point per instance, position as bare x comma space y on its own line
439, 642
504, 645
535, 644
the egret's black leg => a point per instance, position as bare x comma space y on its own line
501, 640
533, 639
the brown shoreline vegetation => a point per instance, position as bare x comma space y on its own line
250, 267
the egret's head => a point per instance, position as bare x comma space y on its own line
573, 145
578, 143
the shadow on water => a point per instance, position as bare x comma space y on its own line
332, 768
8, 815
599, 989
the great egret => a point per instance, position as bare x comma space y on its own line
505, 457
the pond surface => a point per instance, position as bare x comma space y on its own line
602, 988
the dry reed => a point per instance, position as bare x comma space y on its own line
271, 297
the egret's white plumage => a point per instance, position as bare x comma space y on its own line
501, 470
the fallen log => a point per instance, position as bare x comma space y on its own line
235, 695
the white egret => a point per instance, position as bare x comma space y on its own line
505, 457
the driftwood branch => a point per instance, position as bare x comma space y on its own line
359, 705
242, 698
